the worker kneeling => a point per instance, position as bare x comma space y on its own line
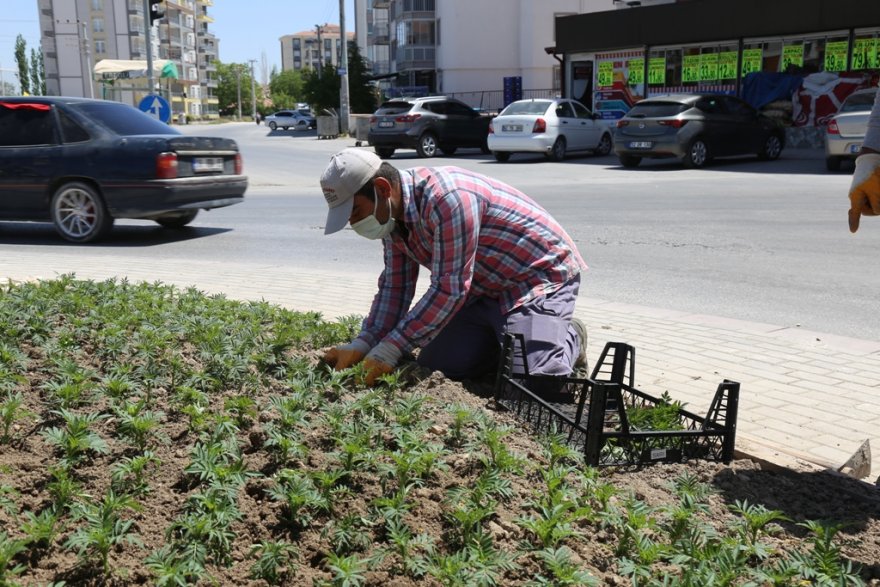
499, 264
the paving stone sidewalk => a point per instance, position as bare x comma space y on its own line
807, 398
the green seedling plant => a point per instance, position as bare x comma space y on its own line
348, 534
12, 411
130, 474
103, 529
274, 561
7, 500
823, 564
408, 548
170, 569
41, 529
301, 499
557, 509
561, 570
492, 450
243, 410
63, 487
284, 447
141, 427
664, 415
75, 440
348, 571
756, 520
9, 549
462, 418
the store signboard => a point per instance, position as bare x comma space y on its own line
753, 60
835, 55
792, 56
865, 54
635, 72
727, 65
657, 71
606, 74
690, 69
709, 67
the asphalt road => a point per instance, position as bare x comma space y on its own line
759, 241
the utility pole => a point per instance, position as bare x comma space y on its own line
238, 87
88, 52
253, 90
148, 29
343, 72
320, 30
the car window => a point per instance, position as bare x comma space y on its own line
71, 131
740, 108
394, 108
563, 110
712, 105
581, 111
122, 119
26, 125
656, 109
527, 107
861, 102
435, 107
457, 109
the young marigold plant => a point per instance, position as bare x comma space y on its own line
103, 529
75, 440
274, 561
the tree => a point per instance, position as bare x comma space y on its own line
229, 76
22, 62
38, 83
322, 91
289, 83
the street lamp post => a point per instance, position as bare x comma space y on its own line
253, 90
343, 66
238, 87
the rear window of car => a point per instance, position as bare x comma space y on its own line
530, 107
122, 119
657, 109
394, 108
859, 102
22, 125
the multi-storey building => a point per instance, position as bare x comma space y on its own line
312, 49
76, 34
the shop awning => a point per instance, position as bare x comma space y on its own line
127, 69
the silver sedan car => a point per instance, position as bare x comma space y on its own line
552, 127
846, 131
290, 119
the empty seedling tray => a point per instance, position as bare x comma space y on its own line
600, 414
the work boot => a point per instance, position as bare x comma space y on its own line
581, 361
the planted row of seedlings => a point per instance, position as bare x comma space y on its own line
159, 435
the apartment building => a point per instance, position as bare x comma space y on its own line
312, 49
76, 34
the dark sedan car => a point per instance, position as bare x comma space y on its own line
83, 163
427, 125
695, 128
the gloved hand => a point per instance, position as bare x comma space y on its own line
345, 355
864, 194
380, 361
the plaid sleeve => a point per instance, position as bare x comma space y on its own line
397, 286
872, 136
454, 220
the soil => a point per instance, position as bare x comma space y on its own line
25, 463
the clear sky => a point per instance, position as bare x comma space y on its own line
246, 28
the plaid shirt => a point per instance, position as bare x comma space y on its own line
479, 237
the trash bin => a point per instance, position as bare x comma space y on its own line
328, 127
359, 128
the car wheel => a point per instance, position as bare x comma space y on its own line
604, 146
177, 219
285, 127
501, 156
629, 161
79, 214
384, 152
557, 153
832, 163
272, 125
427, 146
449, 151
697, 154
484, 147
772, 148
302, 125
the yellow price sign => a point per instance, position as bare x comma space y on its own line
753, 60
727, 65
657, 71
835, 55
606, 74
635, 71
708, 67
690, 69
792, 56
865, 54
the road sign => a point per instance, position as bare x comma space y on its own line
157, 107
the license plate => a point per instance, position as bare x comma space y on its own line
641, 145
385, 124
511, 128
207, 164
855, 148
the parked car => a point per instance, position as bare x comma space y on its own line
846, 131
552, 127
298, 119
83, 163
695, 128
427, 125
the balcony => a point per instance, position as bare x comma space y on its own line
415, 57
381, 3
379, 34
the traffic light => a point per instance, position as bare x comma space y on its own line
157, 10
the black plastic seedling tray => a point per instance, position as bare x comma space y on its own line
593, 411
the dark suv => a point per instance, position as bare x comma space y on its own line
426, 125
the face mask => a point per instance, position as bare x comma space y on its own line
370, 227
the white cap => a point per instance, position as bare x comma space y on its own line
349, 170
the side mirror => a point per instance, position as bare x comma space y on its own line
596, 116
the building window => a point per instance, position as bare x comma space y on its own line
97, 5
97, 25
296, 44
100, 47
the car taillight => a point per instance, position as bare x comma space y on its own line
239, 164
540, 126
622, 123
676, 123
166, 165
832, 128
408, 118
373, 119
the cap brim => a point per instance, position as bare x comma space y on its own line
338, 217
